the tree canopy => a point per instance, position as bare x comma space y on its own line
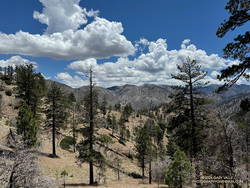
238, 49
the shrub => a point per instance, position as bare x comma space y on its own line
135, 175
11, 122
2, 88
105, 139
129, 155
8, 92
8, 81
67, 142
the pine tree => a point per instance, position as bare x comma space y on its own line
179, 170
239, 49
103, 106
109, 122
156, 137
127, 111
1, 105
31, 89
55, 113
143, 147
71, 98
72, 107
10, 72
86, 149
113, 124
118, 107
117, 161
187, 127
27, 126
30, 86
186, 105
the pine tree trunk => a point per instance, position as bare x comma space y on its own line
91, 125
247, 145
150, 173
91, 173
143, 168
53, 132
54, 138
180, 182
74, 134
193, 143
118, 174
192, 119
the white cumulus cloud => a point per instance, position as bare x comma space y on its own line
62, 15
64, 39
155, 66
73, 81
16, 61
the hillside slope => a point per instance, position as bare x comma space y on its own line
149, 95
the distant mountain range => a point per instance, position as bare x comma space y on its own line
149, 95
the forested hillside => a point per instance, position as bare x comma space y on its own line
50, 124
86, 107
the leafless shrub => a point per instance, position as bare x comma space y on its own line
158, 170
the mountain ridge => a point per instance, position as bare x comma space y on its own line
151, 95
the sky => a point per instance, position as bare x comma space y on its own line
125, 42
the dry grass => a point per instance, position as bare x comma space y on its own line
78, 174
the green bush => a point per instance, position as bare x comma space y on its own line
8, 92
105, 139
67, 142
129, 155
8, 82
6, 79
11, 122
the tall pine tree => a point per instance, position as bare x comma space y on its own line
55, 113
31, 89
186, 104
30, 86
143, 147
187, 127
86, 148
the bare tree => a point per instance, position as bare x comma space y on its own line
158, 170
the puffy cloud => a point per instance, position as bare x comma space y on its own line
83, 66
62, 15
64, 39
15, 61
153, 67
74, 81
99, 39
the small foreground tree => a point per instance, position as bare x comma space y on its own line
179, 170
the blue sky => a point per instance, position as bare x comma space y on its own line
134, 42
